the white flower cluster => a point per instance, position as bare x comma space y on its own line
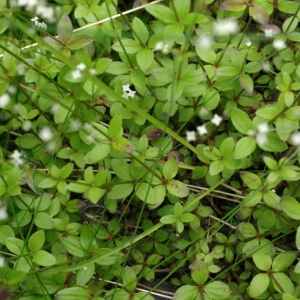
38, 24
202, 130
127, 92
16, 158
164, 47
77, 73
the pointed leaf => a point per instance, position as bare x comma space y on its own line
36, 241
246, 83
291, 207
65, 28
170, 168
258, 14
251, 180
285, 283
241, 121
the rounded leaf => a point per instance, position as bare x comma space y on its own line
258, 285
217, 290
285, 283
36, 241
44, 258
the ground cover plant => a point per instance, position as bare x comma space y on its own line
149, 150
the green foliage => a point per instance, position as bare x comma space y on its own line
161, 141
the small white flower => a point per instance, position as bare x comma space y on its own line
158, 46
164, 47
11, 89
2, 261
55, 108
216, 120
92, 71
226, 26
266, 66
76, 74
26, 125
81, 67
261, 138
131, 94
279, 44
205, 41
203, 112
191, 136
248, 43
3, 216
263, 128
75, 125
126, 88
45, 12
34, 19
295, 139
16, 158
43, 25
202, 129
46, 134
125, 95
269, 33
4, 100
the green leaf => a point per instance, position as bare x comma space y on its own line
163, 75
123, 145
182, 8
274, 144
244, 147
283, 261
233, 5
297, 240
14, 277
117, 68
246, 230
64, 28
36, 241
262, 260
199, 272
130, 46
258, 14
226, 147
27, 141
258, 285
115, 129
44, 258
145, 192
216, 167
15, 246
161, 12
6, 232
284, 128
206, 54
252, 181
109, 259
178, 210
138, 78
94, 194
85, 274
246, 83
48, 183
140, 31
217, 290
73, 293
291, 207
186, 292
284, 282
120, 191
43, 220
78, 187
241, 121
79, 42
170, 219
177, 188
129, 279
98, 153
170, 168
73, 246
